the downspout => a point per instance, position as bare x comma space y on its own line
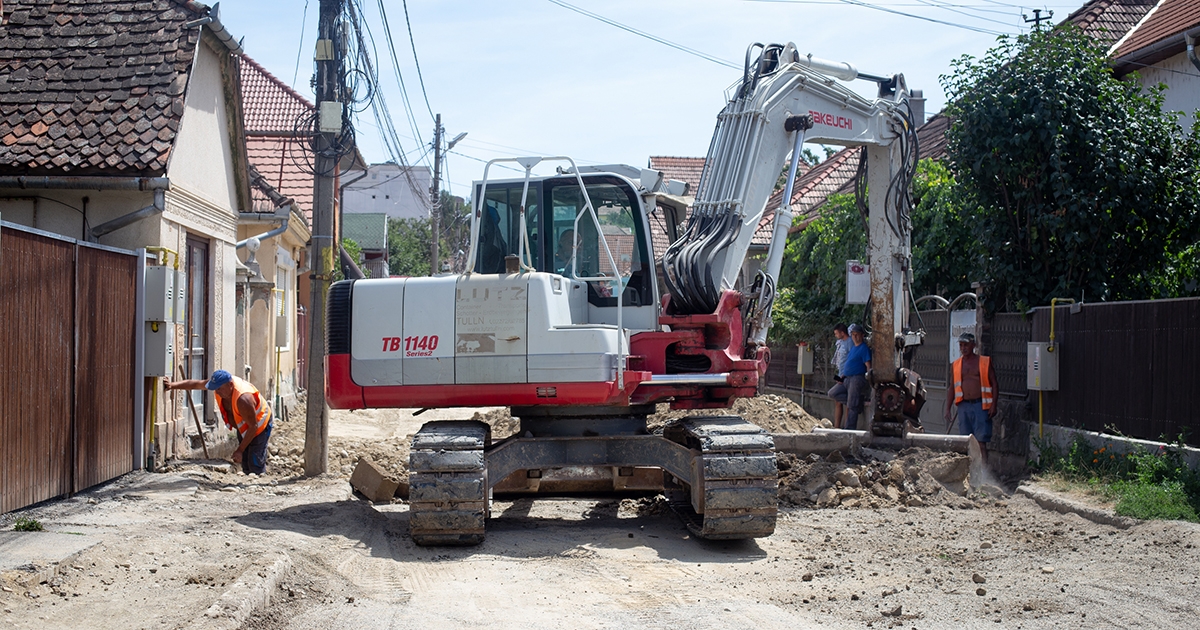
283, 226
159, 205
1190, 38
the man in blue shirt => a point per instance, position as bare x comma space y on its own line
853, 388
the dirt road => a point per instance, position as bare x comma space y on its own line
195, 548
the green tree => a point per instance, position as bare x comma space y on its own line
946, 256
1079, 183
408, 247
812, 282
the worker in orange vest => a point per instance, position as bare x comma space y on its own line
975, 392
242, 408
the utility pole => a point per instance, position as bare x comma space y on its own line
329, 120
435, 197
1037, 18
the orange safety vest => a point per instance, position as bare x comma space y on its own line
262, 411
985, 382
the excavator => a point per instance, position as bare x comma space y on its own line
569, 315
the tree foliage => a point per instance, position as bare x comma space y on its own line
409, 240
1079, 183
946, 256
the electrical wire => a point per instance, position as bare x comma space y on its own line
413, 42
867, 5
300, 49
640, 33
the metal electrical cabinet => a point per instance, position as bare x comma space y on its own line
804, 359
1041, 367
165, 299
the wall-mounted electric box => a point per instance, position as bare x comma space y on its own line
160, 293
1041, 367
804, 359
180, 296
160, 348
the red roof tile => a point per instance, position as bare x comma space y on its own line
1109, 20
1163, 26
92, 87
273, 113
684, 169
271, 106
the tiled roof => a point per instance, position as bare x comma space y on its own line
282, 162
931, 137
270, 105
684, 169
1169, 20
368, 229
92, 87
823, 180
271, 111
1109, 20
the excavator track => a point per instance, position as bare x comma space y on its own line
448, 500
739, 478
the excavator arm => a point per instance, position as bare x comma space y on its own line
783, 100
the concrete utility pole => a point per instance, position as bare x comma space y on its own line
329, 120
435, 197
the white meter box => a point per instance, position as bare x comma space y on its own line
804, 359
160, 293
159, 348
1041, 366
858, 282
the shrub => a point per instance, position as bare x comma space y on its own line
24, 524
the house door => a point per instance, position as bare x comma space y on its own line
195, 353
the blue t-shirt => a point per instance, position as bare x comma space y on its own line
856, 360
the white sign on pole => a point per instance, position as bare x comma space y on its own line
858, 282
961, 321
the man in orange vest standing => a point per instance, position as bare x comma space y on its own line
975, 392
242, 408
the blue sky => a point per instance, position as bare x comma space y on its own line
531, 77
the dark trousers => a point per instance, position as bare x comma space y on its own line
852, 393
254, 459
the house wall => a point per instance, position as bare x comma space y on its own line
274, 368
1183, 93
385, 189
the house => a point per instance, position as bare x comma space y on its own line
1157, 48
400, 192
370, 231
275, 291
121, 127
690, 170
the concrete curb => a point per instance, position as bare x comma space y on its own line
1057, 503
249, 594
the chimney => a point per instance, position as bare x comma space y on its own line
916, 100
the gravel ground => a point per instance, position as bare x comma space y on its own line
171, 545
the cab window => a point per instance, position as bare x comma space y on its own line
499, 228
583, 255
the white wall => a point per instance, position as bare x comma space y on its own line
1183, 79
199, 160
385, 189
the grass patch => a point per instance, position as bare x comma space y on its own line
1144, 484
24, 524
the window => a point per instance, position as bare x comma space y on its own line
615, 207
499, 229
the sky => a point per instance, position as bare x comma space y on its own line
534, 77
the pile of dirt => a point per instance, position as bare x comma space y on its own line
775, 414
917, 476
287, 452
501, 421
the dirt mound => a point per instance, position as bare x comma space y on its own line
501, 421
775, 414
287, 451
917, 476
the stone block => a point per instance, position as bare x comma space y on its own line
372, 481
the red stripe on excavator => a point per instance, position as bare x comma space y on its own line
342, 393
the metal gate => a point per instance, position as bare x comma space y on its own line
67, 369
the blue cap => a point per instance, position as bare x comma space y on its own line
219, 378
855, 328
